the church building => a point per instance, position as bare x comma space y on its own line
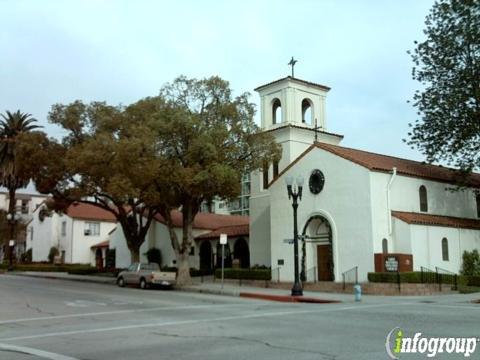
358, 208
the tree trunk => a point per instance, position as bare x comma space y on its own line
135, 255
183, 269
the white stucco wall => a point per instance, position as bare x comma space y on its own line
45, 235
346, 204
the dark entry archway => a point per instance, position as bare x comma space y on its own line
318, 231
241, 252
228, 256
205, 254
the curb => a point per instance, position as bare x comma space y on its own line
231, 293
52, 277
288, 298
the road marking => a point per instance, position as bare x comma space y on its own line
189, 322
103, 313
30, 351
84, 303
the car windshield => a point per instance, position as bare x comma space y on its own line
133, 267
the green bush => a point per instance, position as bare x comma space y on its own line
245, 274
474, 281
26, 257
392, 277
52, 253
471, 263
83, 270
154, 256
45, 267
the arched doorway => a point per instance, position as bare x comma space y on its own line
318, 234
206, 255
241, 252
227, 259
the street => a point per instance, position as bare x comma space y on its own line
65, 320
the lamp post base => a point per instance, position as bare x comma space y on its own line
297, 290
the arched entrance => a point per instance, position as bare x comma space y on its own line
241, 252
206, 255
318, 236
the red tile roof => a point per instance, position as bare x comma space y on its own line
206, 220
437, 220
103, 244
385, 163
323, 87
84, 211
231, 231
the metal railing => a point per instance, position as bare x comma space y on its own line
350, 276
312, 275
446, 277
439, 276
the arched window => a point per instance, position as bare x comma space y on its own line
306, 112
445, 249
477, 198
385, 246
422, 191
276, 112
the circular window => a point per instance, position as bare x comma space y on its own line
316, 181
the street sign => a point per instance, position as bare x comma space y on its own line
391, 264
223, 239
11, 243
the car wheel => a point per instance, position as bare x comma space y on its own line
143, 284
121, 282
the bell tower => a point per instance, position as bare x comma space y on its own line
293, 111
291, 101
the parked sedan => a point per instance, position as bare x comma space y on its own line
145, 275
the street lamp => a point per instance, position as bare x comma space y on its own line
12, 219
295, 192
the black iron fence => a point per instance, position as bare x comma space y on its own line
439, 276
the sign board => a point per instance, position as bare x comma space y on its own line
280, 262
223, 239
11, 243
391, 263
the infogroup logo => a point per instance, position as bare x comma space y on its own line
397, 343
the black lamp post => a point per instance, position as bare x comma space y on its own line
12, 220
296, 194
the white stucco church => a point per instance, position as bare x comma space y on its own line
357, 207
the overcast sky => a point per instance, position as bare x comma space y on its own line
121, 51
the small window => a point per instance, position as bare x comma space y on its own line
192, 250
422, 191
385, 246
276, 112
444, 249
265, 176
477, 198
275, 169
92, 228
24, 208
64, 228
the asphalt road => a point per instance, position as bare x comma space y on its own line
63, 320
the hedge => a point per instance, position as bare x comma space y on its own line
392, 277
46, 267
244, 274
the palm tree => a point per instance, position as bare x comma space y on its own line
11, 126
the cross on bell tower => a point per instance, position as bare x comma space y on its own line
292, 64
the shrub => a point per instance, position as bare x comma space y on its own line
83, 270
52, 253
26, 257
471, 263
154, 256
392, 277
245, 274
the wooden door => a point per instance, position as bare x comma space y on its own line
324, 263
